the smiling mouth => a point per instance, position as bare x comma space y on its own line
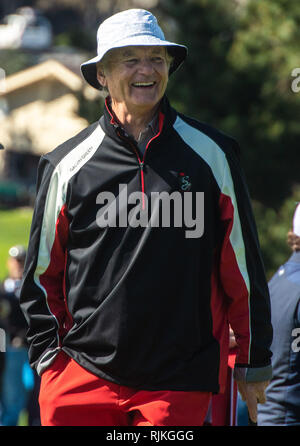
143, 84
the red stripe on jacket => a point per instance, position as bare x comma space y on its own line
53, 279
229, 282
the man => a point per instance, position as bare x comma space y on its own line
283, 394
143, 246
13, 393
10, 292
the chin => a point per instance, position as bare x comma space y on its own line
146, 102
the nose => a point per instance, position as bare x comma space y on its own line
145, 67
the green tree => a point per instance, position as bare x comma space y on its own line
273, 226
238, 78
263, 55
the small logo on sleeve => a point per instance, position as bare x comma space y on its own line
185, 182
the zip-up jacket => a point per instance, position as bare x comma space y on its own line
137, 263
283, 393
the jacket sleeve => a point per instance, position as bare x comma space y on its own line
42, 296
243, 277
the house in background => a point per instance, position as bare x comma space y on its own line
38, 111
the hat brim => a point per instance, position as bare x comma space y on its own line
178, 52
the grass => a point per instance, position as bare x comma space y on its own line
14, 230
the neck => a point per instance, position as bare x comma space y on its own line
133, 121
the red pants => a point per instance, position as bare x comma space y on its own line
72, 396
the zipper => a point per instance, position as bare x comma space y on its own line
160, 125
140, 161
141, 164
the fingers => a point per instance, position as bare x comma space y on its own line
261, 396
256, 394
242, 389
232, 341
253, 393
252, 405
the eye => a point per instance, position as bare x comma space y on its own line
131, 61
157, 59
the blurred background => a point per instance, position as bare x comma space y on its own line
241, 76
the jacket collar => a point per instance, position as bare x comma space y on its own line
112, 128
295, 257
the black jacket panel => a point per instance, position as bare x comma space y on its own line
137, 264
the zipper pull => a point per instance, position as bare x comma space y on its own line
141, 165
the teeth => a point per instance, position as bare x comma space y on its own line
143, 84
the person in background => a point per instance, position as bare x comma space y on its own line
10, 294
283, 393
13, 394
17, 379
3, 328
128, 316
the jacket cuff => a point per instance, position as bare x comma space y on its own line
252, 374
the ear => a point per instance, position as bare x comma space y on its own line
101, 77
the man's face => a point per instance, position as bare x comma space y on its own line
15, 268
136, 77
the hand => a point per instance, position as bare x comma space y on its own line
232, 341
253, 393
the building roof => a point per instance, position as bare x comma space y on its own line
45, 70
38, 119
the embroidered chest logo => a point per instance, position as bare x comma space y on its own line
185, 182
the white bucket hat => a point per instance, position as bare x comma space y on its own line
130, 28
296, 221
